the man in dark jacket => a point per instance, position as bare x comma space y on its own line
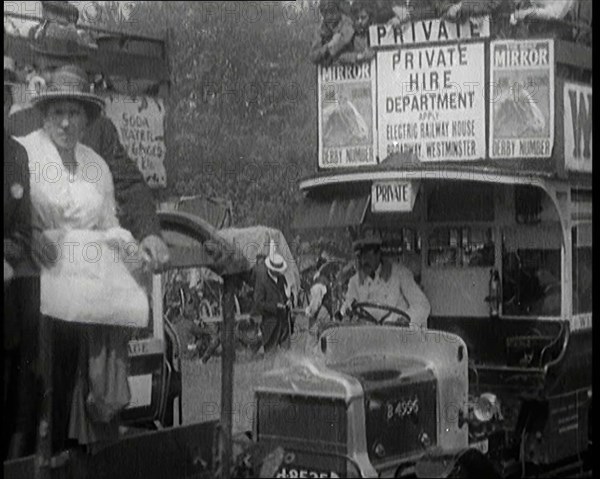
271, 302
21, 294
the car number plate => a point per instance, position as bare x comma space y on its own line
481, 446
293, 472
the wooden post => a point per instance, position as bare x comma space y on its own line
228, 358
44, 432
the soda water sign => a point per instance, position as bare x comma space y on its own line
140, 122
578, 127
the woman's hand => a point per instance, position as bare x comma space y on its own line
123, 242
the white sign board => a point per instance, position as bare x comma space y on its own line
393, 196
578, 127
141, 391
521, 98
429, 31
431, 102
346, 115
140, 122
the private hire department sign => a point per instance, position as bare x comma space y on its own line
431, 102
430, 93
578, 127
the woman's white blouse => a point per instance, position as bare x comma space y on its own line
84, 200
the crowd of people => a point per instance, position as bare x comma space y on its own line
343, 34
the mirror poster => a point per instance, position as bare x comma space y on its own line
521, 99
346, 115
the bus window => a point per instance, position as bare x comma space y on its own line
466, 246
582, 270
458, 202
531, 272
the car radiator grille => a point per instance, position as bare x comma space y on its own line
314, 428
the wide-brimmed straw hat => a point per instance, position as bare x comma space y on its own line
68, 82
275, 262
10, 72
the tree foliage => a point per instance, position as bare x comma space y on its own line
241, 120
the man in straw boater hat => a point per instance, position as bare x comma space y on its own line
136, 205
20, 292
382, 282
272, 304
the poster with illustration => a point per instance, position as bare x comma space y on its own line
346, 115
521, 99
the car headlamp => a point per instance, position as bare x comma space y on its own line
486, 407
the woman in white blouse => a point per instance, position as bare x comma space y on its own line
85, 287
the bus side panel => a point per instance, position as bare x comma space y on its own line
574, 370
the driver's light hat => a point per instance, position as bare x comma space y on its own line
367, 238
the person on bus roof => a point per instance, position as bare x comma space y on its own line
363, 14
499, 12
335, 32
382, 282
405, 11
545, 18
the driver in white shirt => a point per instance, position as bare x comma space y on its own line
382, 282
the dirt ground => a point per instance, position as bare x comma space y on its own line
202, 382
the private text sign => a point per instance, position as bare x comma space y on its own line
393, 196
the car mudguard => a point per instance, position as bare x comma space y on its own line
467, 462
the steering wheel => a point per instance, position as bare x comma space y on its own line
360, 310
